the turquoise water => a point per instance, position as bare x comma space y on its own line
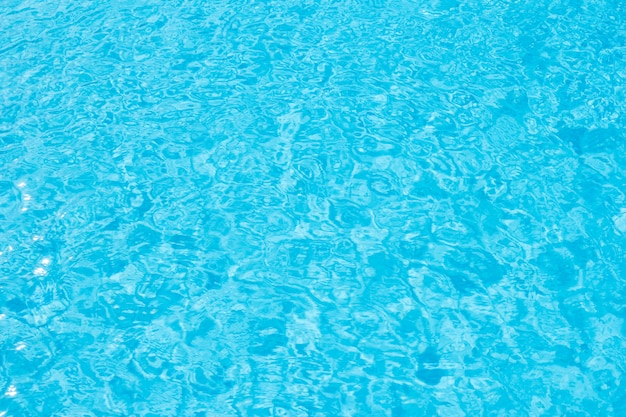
376, 208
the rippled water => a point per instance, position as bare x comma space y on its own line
375, 208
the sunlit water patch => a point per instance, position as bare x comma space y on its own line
367, 208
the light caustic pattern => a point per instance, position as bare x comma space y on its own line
375, 208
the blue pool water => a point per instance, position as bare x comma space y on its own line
317, 208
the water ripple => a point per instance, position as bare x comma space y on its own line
368, 208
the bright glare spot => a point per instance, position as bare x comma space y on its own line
37, 237
10, 247
40, 272
27, 197
20, 346
11, 391
24, 209
3, 316
46, 261
3, 413
21, 184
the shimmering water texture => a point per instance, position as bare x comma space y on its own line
317, 208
